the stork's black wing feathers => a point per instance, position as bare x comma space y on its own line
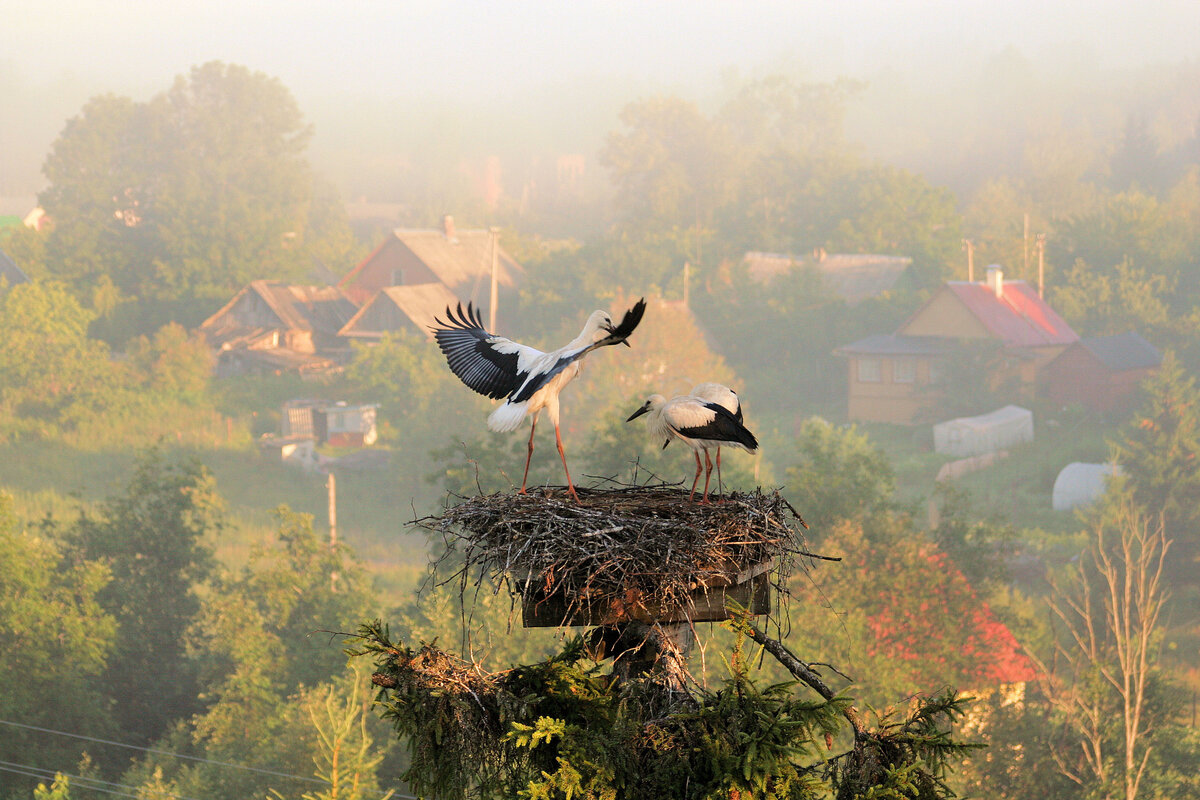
629, 323
476, 356
723, 427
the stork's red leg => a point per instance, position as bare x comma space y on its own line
563, 455
720, 487
529, 457
699, 467
707, 474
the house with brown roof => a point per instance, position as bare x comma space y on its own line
1102, 373
895, 377
393, 309
460, 260
274, 327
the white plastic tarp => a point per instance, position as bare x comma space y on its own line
1080, 483
986, 433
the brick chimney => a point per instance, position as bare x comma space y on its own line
995, 280
448, 228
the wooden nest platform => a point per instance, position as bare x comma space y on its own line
643, 553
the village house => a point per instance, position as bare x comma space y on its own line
339, 424
1102, 373
896, 377
270, 327
461, 261
409, 308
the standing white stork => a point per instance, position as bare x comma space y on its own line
699, 425
528, 379
727, 399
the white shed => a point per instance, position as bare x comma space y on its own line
1080, 483
986, 433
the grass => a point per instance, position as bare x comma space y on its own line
373, 507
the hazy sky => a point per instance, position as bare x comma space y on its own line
400, 48
526, 69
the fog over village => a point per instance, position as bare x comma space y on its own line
275, 285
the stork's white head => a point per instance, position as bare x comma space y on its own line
598, 326
653, 403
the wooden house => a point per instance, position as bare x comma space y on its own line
1101, 373
459, 260
339, 424
896, 377
274, 327
399, 308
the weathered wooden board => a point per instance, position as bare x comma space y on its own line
752, 591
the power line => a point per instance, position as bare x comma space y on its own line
164, 752
38, 772
159, 752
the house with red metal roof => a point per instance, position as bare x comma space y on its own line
896, 377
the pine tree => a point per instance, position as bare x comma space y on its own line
1160, 451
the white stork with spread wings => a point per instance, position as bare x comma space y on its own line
699, 424
526, 378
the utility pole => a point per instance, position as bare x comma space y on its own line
969, 246
1041, 248
1025, 247
495, 237
687, 274
332, 485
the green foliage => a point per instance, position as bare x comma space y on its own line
840, 475
155, 540
562, 729
1160, 450
904, 758
191, 194
55, 639
60, 789
1105, 303
51, 374
978, 546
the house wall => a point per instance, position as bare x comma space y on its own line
889, 400
1078, 377
250, 311
945, 315
391, 262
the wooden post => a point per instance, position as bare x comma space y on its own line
494, 297
1025, 248
969, 246
1041, 247
332, 485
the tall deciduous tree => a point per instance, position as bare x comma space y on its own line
55, 639
153, 538
1110, 608
193, 193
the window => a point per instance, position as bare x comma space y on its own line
397, 277
904, 371
869, 370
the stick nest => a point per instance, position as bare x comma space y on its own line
645, 542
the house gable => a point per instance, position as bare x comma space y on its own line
397, 308
462, 261
945, 315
